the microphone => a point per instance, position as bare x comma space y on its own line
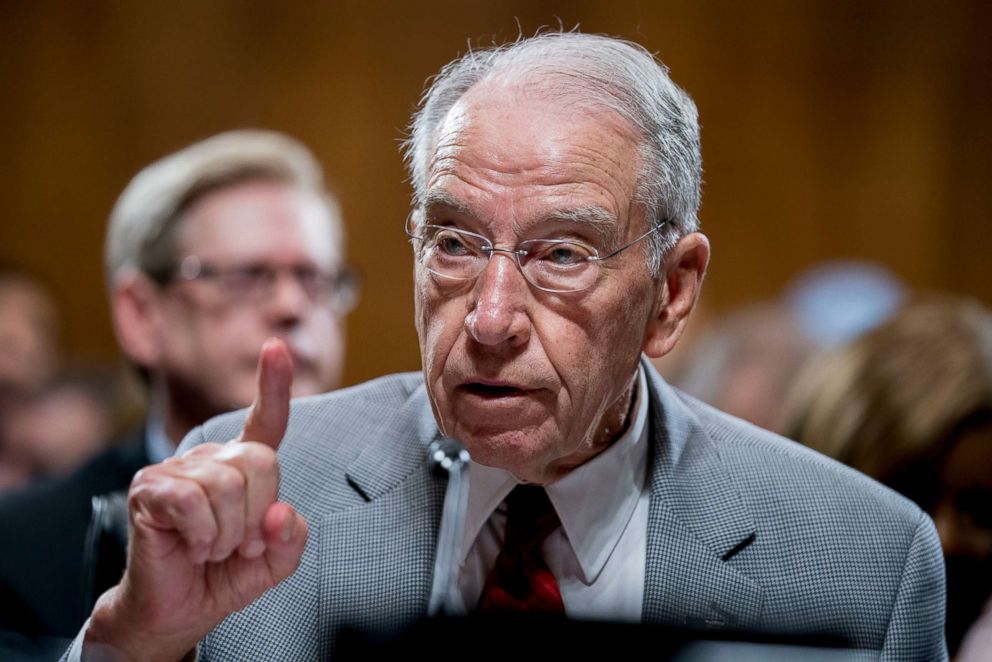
449, 456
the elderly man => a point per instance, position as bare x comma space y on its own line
209, 252
554, 234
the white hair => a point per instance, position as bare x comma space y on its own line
141, 232
597, 72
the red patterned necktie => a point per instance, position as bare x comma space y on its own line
521, 580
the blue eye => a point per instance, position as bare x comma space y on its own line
563, 255
560, 253
452, 245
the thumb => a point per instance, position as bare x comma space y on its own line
269, 413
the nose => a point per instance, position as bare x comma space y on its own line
498, 315
288, 301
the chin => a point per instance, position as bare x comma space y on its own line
243, 395
238, 402
512, 450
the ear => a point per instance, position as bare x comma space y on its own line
135, 303
679, 285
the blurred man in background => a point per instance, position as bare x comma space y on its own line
29, 331
745, 361
57, 428
209, 252
29, 358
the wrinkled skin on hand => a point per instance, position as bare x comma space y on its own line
207, 533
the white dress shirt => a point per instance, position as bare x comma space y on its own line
158, 446
598, 554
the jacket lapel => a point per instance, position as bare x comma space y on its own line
362, 584
697, 523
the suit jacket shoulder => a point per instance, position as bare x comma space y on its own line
803, 544
746, 530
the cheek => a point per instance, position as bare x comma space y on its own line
230, 336
440, 322
325, 337
325, 332
437, 343
224, 348
596, 349
581, 340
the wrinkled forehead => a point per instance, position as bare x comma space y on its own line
501, 146
518, 121
262, 221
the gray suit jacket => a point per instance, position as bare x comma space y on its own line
746, 530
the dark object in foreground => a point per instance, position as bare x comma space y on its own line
514, 638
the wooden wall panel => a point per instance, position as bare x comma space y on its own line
831, 128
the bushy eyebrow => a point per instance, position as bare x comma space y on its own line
435, 198
602, 221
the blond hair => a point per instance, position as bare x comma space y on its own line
891, 398
141, 232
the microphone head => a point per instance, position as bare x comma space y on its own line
447, 455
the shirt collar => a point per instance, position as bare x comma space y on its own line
594, 501
158, 446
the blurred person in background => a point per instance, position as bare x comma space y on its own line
746, 360
29, 356
58, 427
29, 334
209, 251
837, 300
910, 404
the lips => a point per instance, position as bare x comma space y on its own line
482, 406
492, 391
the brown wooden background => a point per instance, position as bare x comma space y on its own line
831, 128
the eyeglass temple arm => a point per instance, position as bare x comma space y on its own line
654, 228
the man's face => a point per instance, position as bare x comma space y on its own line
531, 381
211, 331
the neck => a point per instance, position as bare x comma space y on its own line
179, 414
175, 429
612, 426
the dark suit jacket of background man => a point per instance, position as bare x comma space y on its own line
43, 582
746, 530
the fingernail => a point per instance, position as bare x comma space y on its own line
287, 529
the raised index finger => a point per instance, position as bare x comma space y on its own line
269, 413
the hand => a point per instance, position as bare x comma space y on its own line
207, 534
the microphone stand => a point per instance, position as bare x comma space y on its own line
449, 456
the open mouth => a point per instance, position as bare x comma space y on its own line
492, 390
